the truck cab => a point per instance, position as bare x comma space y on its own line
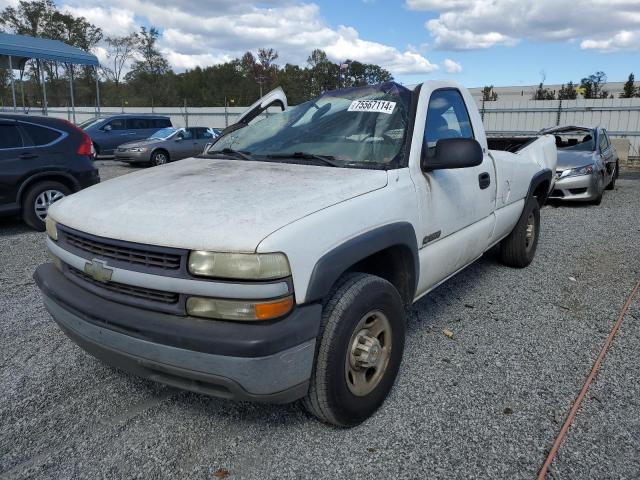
278, 265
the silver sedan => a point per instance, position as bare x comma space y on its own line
167, 145
587, 163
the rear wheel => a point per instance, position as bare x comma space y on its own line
359, 350
159, 157
38, 199
519, 248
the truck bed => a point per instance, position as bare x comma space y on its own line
509, 144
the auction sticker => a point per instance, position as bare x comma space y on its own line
379, 106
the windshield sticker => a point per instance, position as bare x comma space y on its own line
379, 106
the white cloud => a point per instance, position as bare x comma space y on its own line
114, 22
205, 33
474, 24
451, 67
621, 40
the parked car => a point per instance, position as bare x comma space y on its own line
110, 132
42, 159
587, 163
277, 266
166, 145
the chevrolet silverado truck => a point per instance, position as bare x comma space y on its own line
277, 265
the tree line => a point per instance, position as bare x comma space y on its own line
136, 73
590, 87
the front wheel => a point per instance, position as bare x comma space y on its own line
519, 248
359, 350
159, 157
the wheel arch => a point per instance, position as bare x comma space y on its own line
540, 186
389, 251
62, 177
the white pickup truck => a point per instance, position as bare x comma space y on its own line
277, 265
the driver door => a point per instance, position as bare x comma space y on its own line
456, 204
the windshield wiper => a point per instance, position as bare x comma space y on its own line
230, 152
325, 159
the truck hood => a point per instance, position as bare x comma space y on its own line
210, 204
568, 159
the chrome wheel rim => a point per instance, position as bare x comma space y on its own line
44, 201
369, 351
530, 232
161, 158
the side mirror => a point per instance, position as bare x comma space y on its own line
107, 128
179, 139
452, 153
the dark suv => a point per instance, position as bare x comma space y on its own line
42, 159
111, 132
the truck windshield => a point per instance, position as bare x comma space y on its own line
363, 126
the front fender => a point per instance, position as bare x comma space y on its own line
334, 263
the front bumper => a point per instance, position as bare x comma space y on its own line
133, 157
578, 188
269, 362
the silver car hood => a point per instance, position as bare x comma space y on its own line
571, 159
142, 143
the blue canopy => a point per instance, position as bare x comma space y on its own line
21, 48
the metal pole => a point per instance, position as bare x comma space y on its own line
44, 90
186, 114
73, 103
13, 86
226, 114
24, 108
97, 91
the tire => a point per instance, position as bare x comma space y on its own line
159, 157
360, 303
38, 198
519, 248
614, 176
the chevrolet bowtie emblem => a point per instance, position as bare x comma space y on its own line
98, 270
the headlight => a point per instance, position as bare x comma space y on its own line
138, 149
238, 309
574, 172
244, 266
52, 227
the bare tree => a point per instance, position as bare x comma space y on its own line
120, 51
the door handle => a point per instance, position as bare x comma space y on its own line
26, 156
484, 180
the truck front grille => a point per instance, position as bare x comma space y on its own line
136, 255
130, 290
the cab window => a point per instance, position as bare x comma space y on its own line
447, 117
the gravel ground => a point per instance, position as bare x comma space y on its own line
486, 403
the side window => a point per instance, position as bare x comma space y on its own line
604, 141
117, 124
40, 135
10, 136
187, 134
160, 123
137, 124
204, 133
447, 117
